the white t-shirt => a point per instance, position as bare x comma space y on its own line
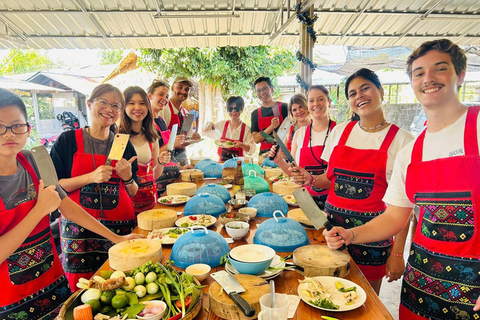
144, 155
360, 139
167, 115
317, 140
233, 134
445, 143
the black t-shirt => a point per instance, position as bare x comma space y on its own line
163, 127
66, 146
266, 112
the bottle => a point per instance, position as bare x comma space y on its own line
238, 178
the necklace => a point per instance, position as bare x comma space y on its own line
372, 128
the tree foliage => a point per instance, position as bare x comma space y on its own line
233, 68
24, 61
111, 56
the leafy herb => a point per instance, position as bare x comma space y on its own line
325, 303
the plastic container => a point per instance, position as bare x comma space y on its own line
202, 163
252, 166
232, 163
251, 258
266, 203
252, 181
269, 163
212, 170
281, 234
205, 203
199, 246
217, 190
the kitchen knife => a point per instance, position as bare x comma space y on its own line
284, 148
171, 140
187, 123
284, 128
118, 148
45, 166
269, 138
232, 287
311, 210
276, 110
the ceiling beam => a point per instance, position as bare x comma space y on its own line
345, 31
13, 27
422, 17
290, 20
93, 21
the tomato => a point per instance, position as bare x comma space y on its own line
188, 300
193, 218
231, 216
170, 201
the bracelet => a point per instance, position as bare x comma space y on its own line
353, 236
311, 180
160, 163
128, 182
396, 255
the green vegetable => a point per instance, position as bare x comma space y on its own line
105, 274
152, 288
185, 225
120, 292
139, 278
119, 301
95, 305
133, 310
329, 318
132, 298
354, 288
106, 309
151, 276
325, 303
140, 291
107, 296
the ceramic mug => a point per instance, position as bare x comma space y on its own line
280, 312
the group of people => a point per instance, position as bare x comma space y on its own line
367, 174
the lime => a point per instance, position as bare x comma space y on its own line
119, 301
95, 304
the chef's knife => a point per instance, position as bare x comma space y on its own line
284, 148
118, 148
269, 138
232, 287
187, 123
311, 210
276, 110
171, 140
45, 166
284, 128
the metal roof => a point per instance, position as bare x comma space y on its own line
202, 23
11, 84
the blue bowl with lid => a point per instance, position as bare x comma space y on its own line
212, 170
267, 203
199, 246
204, 203
202, 163
246, 168
232, 163
217, 190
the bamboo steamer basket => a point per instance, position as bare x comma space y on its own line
272, 172
285, 187
182, 188
191, 175
156, 219
128, 255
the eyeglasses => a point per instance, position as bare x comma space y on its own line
264, 89
104, 105
20, 128
236, 109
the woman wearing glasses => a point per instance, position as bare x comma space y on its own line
234, 130
102, 190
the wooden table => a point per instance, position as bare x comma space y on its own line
287, 282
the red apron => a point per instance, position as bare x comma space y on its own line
291, 133
229, 153
359, 182
311, 160
263, 123
32, 278
146, 196
170, 170
442, 276
84, 251
174, 118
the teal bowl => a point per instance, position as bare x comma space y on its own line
252, 268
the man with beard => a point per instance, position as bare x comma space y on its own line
174, 113
263, 118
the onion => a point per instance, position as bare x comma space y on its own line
156, 310
146, 315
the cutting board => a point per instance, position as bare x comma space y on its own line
319, 260
285, 187
222, 306
130, 254
156, 219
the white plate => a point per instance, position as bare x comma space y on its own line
176, 200
166, 239
336, 296
277, 262
228, 185
224, 144
290, 199
211, 221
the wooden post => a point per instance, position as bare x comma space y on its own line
306, 48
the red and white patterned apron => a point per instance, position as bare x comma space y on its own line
311, 160
84, 251
32, 278
170, 170
229, 153
359, 183
263, 123
146, 196
442, 276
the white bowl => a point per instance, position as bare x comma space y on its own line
252, 253
199, 270
237, 229
251, 212
151, 305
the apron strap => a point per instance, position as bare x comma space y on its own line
242, 132
156, 126
306, 139
389, 138
79, 140
151, 152
471, 142
417, 151
346, 133
225, 127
